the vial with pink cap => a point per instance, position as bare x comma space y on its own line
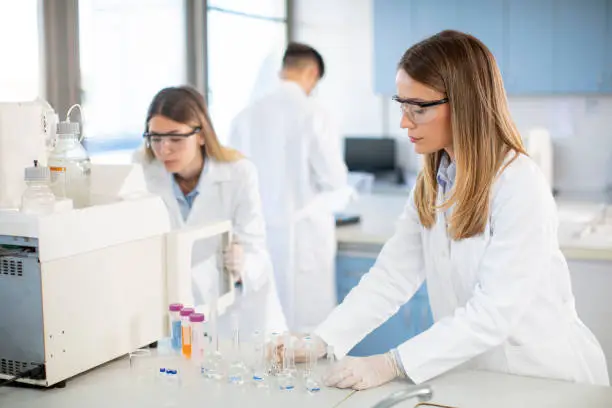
175, 326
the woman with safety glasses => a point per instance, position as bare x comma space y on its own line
481, 227
200, 182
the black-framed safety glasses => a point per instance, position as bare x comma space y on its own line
149, 135
417, 111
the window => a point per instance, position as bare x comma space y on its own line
129, 50
244, 52
20, 70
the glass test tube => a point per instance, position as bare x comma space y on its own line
259, 366
311, 379
288, 374
237, 369
275, 362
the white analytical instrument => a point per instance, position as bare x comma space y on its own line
81, 287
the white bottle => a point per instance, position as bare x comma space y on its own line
70, 165
38, 197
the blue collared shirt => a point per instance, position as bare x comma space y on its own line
446, 173
185, 201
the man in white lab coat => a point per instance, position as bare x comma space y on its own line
303, 177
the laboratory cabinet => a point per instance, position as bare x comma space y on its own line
543, 47
412, 318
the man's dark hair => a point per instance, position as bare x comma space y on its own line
297, 54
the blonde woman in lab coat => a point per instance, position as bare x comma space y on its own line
481, 227
200, 182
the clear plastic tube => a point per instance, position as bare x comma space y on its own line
198, 338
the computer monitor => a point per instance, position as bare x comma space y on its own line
370, 154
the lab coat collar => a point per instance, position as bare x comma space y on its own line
292, 86
215, 172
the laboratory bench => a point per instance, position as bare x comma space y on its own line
585, 237
118, 385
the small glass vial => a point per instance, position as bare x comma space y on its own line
175, 326
186, 331
198, 338
38, 197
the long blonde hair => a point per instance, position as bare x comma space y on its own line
463, 68
186, 105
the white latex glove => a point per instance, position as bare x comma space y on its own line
233, 258
360, 373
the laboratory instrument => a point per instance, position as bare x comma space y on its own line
199, 338
70, 164
186, 331
38, 197
175, 326
26, 132
109, 253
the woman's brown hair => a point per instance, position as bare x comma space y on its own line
186, 105
463, 68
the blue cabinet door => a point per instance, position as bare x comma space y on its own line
412, 318
392, 37
428, 17
529, 60
485, 21
607, 87
579, 46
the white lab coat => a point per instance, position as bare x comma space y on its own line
501, 301
298, 155
228, 192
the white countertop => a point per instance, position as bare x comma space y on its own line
379, 213
115, 385
479, 389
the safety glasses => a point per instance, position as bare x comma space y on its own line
419, 112
174, 140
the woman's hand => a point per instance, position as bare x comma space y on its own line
233, 259
360, 373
